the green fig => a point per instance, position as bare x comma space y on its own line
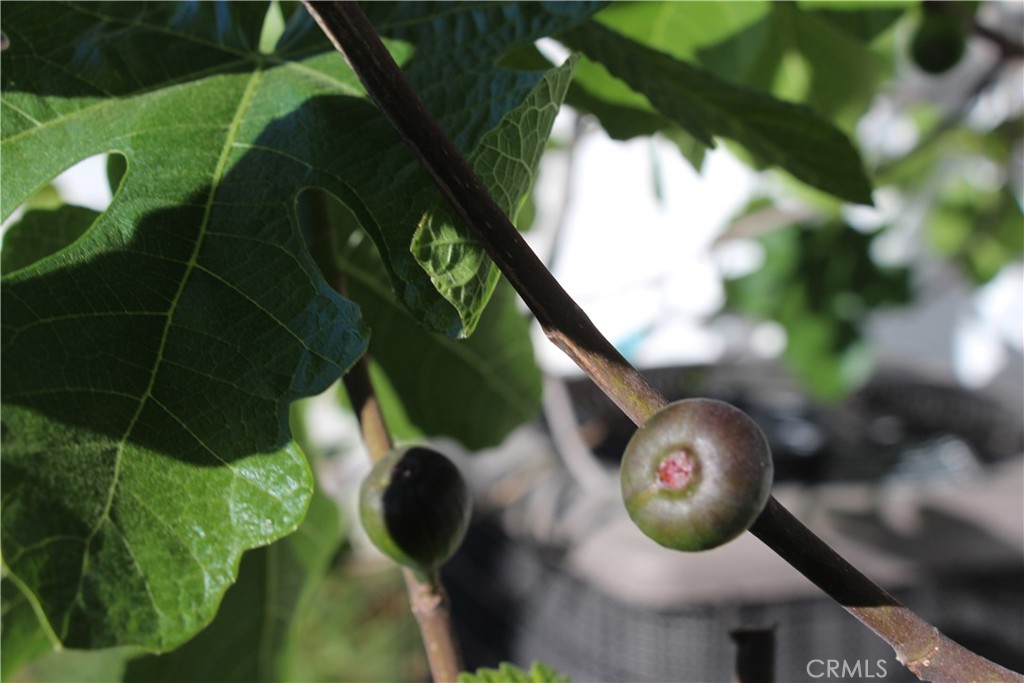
696, 475
415, 507
939, 42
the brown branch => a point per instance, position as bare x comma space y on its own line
427, 598
917, 644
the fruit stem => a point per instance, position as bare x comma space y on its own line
428, 600
569, 328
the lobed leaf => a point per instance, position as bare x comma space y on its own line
150, 362
148, 365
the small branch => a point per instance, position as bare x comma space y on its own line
427, 598
1009, 47
917, 643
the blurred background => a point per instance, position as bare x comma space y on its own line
879, 348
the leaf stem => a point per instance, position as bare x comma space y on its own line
428, 600
918, 645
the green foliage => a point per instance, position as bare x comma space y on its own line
455, 70
475, 390
819, 283
979, 230
357, 627
506, 159
509, 673
775, 132
159, 444
152, 352
22, 638
40, 233
145, 442
828, 54
274, 583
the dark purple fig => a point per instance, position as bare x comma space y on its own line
415, 507
696, 475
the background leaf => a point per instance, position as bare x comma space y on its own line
819, 283
41, 233
251, 640
775, 132
836, 51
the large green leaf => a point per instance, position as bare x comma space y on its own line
149, 365
251, 640
784, 134
833, 47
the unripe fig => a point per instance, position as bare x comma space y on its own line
415, 507
696, 475
938, 43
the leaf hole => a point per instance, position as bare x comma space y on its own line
88, 183
60, 211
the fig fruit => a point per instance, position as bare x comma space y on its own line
696, 475
415, 507
939, 42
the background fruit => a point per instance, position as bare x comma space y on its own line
939, 42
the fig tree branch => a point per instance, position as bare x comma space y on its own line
917, 644
428, 600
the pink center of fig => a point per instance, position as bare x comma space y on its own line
676, 470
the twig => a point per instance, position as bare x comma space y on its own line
427, 597
917, 644
428, 600
1009, 47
